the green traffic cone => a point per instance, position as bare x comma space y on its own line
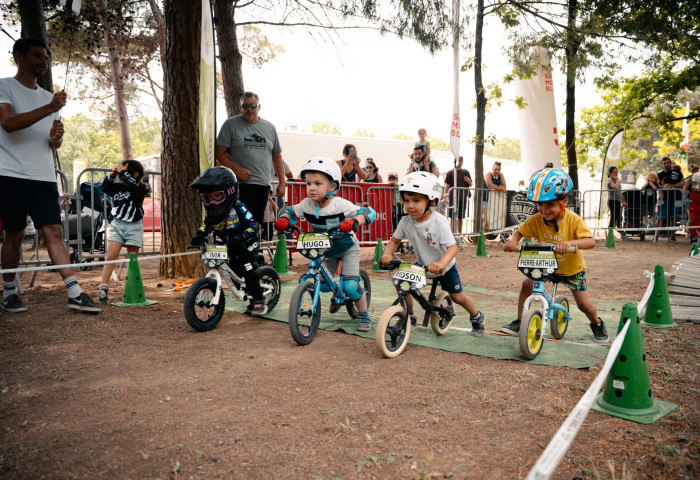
378, 253
610, 242
627, 391
279, 263
658, 313
693, 249
134, 295
481, 247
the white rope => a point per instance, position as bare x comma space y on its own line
93, 264
560, 443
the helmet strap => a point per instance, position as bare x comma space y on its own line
328, 195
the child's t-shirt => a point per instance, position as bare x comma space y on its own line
430, 238
128, 196
332, 215
572, 227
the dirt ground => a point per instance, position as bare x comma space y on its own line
136, 394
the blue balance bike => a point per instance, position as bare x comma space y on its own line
538, 263
305, 305
394, 327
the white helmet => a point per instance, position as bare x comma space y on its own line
323, 165
422, 182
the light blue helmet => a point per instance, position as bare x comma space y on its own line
549, 184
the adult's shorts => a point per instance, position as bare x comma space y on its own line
20, 197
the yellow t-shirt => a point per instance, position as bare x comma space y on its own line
572, 227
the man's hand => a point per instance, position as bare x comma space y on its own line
281, 189
349, 225
58, 101
435, 267
282, 224
243, 174
56, 132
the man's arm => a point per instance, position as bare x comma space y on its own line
278, 165
11, 121
222, 159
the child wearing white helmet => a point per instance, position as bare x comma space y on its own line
555, 225
323, 210
430, 234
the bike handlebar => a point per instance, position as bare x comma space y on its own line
394, 264
571, 249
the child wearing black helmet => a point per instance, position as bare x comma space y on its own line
232, 222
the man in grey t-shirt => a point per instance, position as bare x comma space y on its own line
248, 145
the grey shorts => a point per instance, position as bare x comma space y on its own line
126, 233
351, 262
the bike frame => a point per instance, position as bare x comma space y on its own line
549, 308
230, 277
428, 307
322, 276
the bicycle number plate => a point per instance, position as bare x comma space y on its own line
216, 252
313, 245
537, 263
409, 276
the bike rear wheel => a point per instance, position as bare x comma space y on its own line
367, 286
440, 323
270, 279
304, 317
200, 314
560, 322
531, 334
393, 331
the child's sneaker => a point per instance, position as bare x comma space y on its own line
600, 333
478, 324
513, 328
103, 294
364, 324
334, 306
14, 304
258, 308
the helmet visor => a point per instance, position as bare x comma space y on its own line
212, 198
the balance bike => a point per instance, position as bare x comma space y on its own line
204, 302
305, 306
394, 327
538, 263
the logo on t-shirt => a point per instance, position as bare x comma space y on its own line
255, 141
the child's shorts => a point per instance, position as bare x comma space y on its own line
351, 262
126, 233
450, 280
575, 282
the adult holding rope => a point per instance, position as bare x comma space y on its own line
31, 131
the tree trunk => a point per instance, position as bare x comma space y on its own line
31, 14
229, 56
572, 46
480, 113
180, 207
109, 35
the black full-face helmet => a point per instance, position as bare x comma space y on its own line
218, 190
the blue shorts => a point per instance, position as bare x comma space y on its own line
450, 280
126, 233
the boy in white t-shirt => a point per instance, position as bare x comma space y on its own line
430, 234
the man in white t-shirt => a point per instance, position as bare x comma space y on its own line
30, 131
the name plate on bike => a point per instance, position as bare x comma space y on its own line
311, 245
413, 275
542, 260
216, 252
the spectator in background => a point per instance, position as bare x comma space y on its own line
694, 194
424, 142
458, 199
420, 163
372, 171
615, 199
248, 145
651, 185
350, 167
546, 165
669, 179
496, 181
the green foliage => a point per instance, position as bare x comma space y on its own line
439, 144
506, 148
363, 133
325, 129
402, 136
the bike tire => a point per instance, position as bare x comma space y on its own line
269, 277
441, 323
560, 322
367, 286
393, 332
302, 304
199, 296
531, 335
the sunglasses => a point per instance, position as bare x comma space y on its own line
249, 106
212, 198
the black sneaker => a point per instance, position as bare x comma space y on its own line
513, 328
478, 324
600, 333
259, 308
83, 303
14, 304
334, 306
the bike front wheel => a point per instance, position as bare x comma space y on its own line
200, 314
367, 286
531, 334
440, 323
304, 316
393, 331
560, 322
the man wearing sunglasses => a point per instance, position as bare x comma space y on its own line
248, 145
